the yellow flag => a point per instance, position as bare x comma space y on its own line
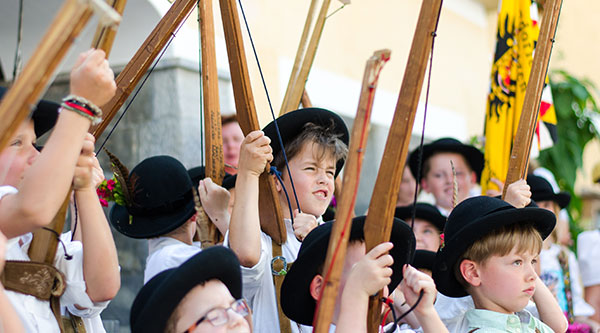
517, 35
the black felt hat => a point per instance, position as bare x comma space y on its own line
162, 199
198, 173
157, 300
473, 156
296, 301
292, 124
541, 190
424, 259
425, 212
471, 220
44, 115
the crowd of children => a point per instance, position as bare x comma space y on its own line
465, 263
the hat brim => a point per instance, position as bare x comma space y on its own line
405, 213
473, 157
157, 300
149, 226
296, 300
561, 198
424, 259
292, 124
447, 257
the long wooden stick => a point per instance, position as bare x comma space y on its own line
143, 58
271, 217
105, 35
299, 55
378, 224
519, 156
338, 241
300, 81
214, 165
30, 84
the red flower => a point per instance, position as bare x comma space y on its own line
104, 203
110, 184
442, 243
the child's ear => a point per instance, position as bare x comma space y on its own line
468, 270
277, 183
473, 177
316, 287
424, 185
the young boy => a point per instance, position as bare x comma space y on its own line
315, 142
204, 294
490, 252
427, 227
436, 172
232, 139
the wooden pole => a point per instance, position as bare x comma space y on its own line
338, 241
378, 224
143, 58
306, 102
33, 80
299, 55
214, 165
105, 35
271, 217
300, 81
519, 156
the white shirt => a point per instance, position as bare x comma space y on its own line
588, 252
550, 267
35, 314
258, 288
165, 253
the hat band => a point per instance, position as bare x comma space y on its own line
165, 208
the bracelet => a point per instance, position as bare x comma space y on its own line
96, 111
84, 114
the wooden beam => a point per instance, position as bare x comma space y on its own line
271, 217
340, 233
519, 156
143, 58
300, 81
378, 225
105, 35
299, 56
213, 140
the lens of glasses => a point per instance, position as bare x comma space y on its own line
218, 317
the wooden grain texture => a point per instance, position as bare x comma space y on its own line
105, 35
519, 155
378, 224
340, 233
143, 58
213, 140
271, 217
299, 56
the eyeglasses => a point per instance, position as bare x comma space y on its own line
220, 316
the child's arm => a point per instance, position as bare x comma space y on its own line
244, 227
46, 182
100, 261
9, 320
412, 285
550, 312
367, 277
215, 200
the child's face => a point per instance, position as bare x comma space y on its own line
232, 140
313, 178
427, 235
439, 180
201, 301
18, 155
506, 283
406, 195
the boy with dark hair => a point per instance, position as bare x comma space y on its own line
315, 142
490, 252
204, 294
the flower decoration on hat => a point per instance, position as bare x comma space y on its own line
442, 242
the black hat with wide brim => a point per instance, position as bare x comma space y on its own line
162, 199
296, 301
198, 173
473, 156
157, 300
292, 124
541, 190
44, 115
425, 212
424, 259
471, 220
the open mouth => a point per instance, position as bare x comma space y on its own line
321, 193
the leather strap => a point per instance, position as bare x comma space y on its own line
73, 324
279, 268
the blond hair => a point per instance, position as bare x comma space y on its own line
522, 237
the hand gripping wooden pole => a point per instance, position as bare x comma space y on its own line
271, 217
105, 35
338, 241
519, 156
214, 164
378, 225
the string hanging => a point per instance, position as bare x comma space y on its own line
272, 113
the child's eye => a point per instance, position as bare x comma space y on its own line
518, 262
331, 172
534, 261
427, 231
16, 143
